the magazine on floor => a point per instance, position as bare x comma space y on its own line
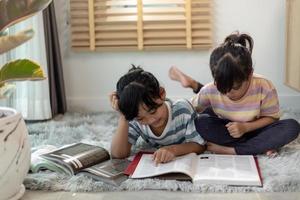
81, 158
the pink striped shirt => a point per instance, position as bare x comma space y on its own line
260, 100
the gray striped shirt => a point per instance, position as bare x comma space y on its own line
180, 127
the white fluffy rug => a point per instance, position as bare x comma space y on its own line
280, 174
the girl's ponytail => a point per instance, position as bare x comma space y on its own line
224, 73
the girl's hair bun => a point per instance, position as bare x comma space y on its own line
239, 40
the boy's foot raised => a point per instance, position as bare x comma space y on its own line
177, 75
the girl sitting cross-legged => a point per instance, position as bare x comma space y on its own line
242, 108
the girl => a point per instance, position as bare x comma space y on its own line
145, 112
245, 117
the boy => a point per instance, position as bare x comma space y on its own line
145, 112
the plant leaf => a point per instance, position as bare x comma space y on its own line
13, 11
11, 41
21, 70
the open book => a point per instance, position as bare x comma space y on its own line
80, 158
203, 168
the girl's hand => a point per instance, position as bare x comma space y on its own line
114, 101
236, 129
163, 155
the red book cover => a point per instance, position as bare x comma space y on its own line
131, 167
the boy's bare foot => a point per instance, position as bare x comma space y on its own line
185, 80
271, 153
219, 149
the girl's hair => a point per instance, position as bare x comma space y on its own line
134, 88
231, 62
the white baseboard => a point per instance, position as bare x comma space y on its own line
88, 104
103, 104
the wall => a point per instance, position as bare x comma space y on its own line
90, 77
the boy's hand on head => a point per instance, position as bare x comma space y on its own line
163, 155
236, 129
114, 101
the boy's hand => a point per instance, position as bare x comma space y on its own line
114, 101
163, 155
236, 129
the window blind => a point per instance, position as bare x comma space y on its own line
104, 25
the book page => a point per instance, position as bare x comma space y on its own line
147, 168
109, 168
227, 169
110, 172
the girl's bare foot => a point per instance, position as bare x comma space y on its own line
177, 75
219, 149
271, 153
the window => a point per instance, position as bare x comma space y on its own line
106, 25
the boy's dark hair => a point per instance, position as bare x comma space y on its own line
134, 88
231, 62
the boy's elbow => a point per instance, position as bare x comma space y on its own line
194, 147
119, 155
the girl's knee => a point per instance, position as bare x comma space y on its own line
292, 124
292, 127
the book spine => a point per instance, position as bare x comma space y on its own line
258, 170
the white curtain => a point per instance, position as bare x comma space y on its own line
3, 60
32, 97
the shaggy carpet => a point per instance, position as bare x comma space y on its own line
280, 173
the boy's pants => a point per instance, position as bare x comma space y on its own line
213, 129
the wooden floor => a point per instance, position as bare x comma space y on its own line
156, 195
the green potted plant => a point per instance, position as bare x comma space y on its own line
14, 141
